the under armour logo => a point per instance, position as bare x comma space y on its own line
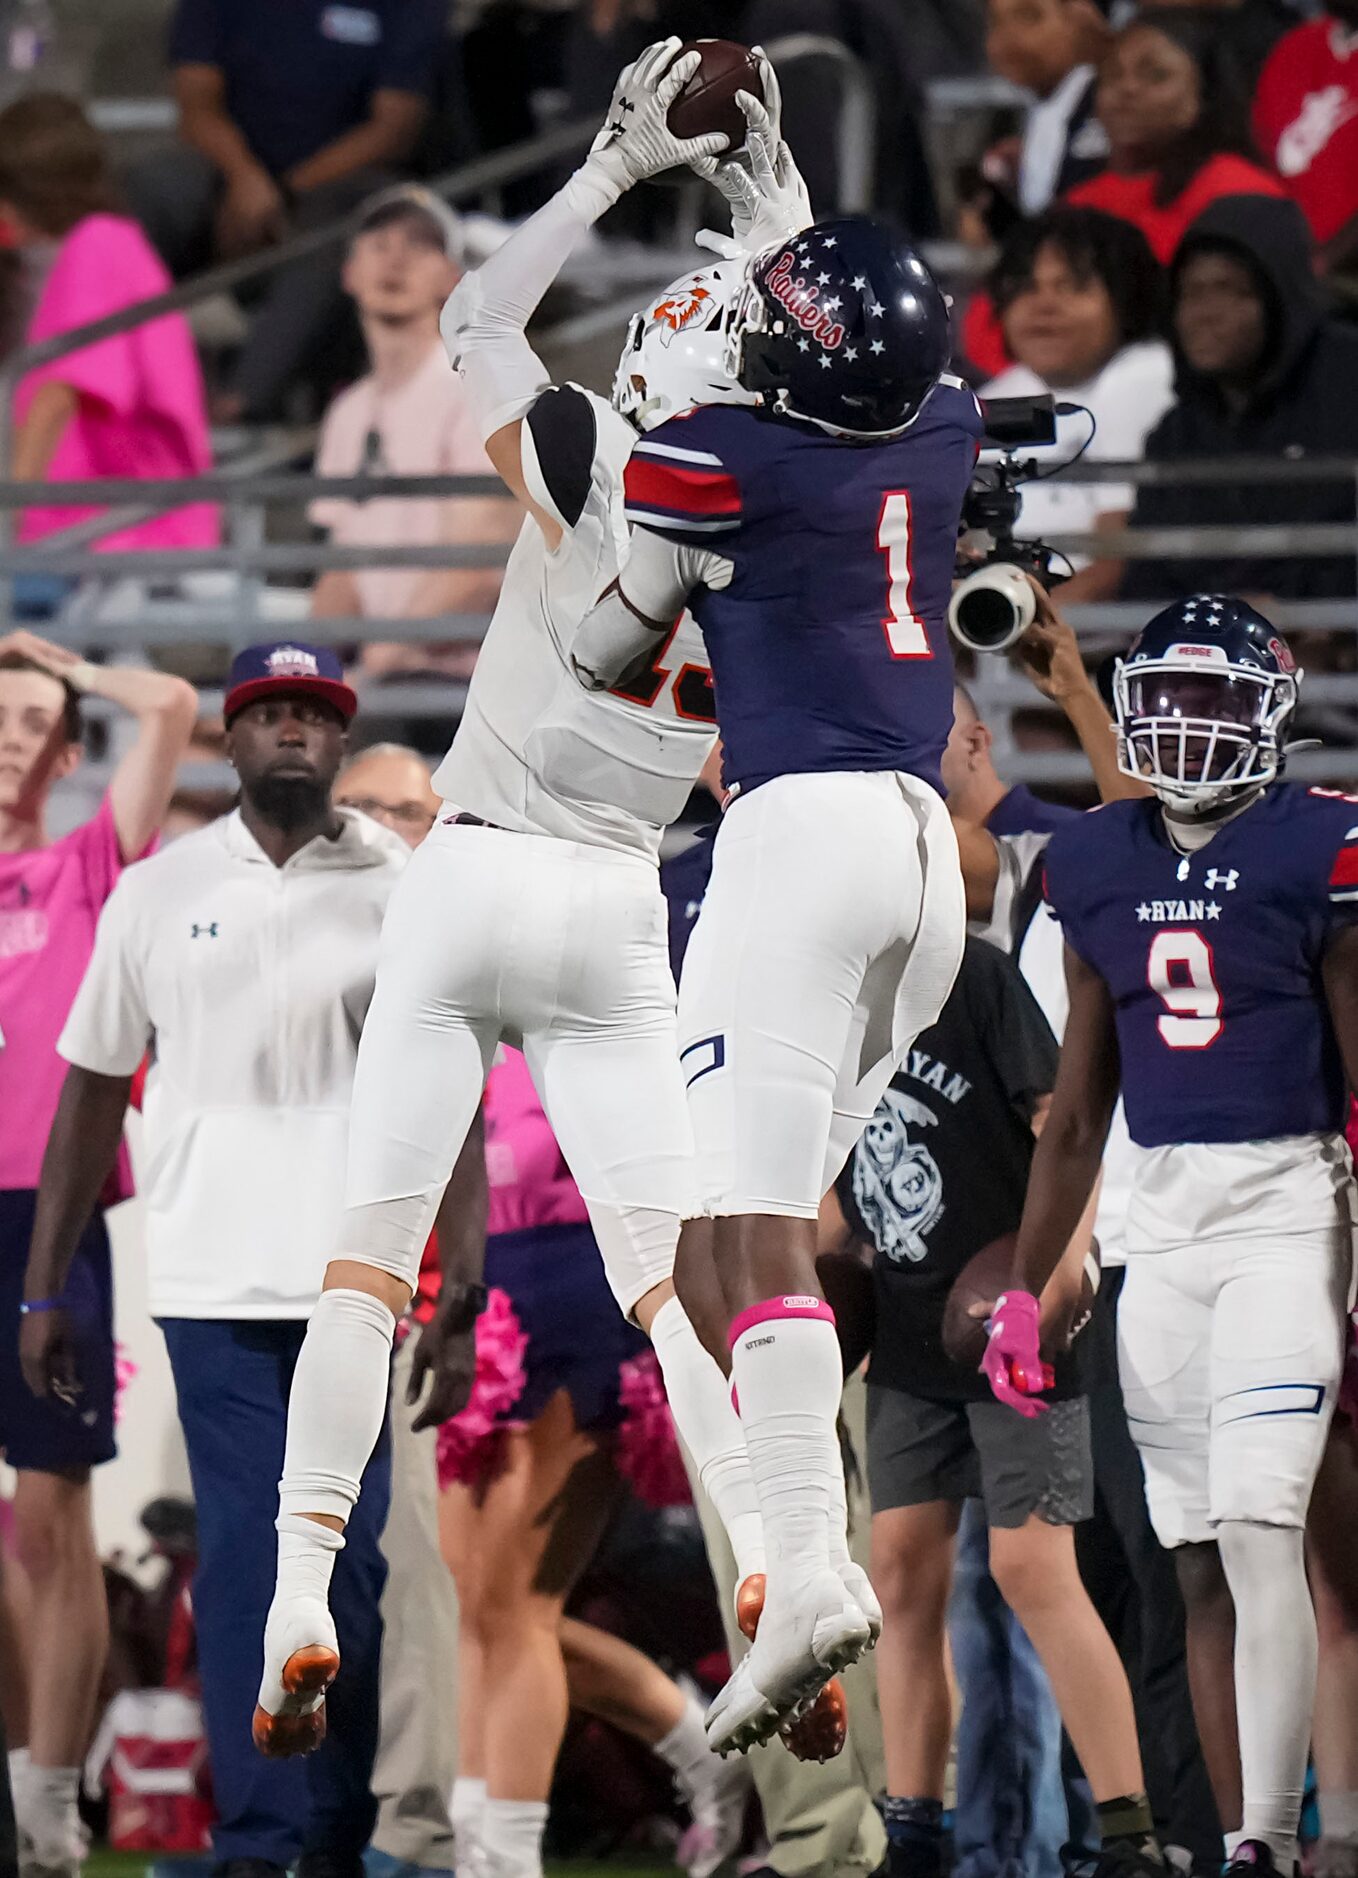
208, 931
1226, 882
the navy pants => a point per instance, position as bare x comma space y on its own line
232, 1379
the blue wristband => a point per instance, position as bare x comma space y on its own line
31, 1305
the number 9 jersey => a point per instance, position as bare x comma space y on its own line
1214, 960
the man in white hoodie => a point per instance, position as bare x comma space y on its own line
243, 957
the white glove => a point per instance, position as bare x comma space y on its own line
636, 142
762, 185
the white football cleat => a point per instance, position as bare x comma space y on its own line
804, 1638
301, 1660
859, 1587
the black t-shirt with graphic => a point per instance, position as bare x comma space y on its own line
942, 1167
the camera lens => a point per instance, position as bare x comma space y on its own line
986, 618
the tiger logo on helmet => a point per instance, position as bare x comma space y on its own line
673, 356
680, 310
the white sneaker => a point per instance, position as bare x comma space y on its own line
805, 1636
716, 1797
859, 1587
301, 1660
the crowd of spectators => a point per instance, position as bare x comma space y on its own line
1161, 231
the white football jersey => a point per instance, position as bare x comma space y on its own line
535, 752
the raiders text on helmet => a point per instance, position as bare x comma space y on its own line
842, 326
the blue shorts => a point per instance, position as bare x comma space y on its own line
577, 1336
43, 1436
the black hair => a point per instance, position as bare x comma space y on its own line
72, 718
1222, 126
1091, 243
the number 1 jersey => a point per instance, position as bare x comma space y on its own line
827, 576
1214, 961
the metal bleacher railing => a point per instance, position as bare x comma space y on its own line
160, 606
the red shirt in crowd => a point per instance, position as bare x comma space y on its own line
1131, 198
1306, 121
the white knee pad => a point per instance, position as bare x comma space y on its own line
637, 1245
391, 1234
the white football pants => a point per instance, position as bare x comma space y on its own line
558, 947
830, 937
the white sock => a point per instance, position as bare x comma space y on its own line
52, 1814
511, 1838
1339, 1816
337, 1403
839, 1511
466, 1806
700, 1401
306, 1557
789, 1378
1275, 1675
685, 1747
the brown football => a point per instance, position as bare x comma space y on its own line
980, 1281
708, 101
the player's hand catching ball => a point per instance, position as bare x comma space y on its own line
1012, 1363
762, 185
636, 142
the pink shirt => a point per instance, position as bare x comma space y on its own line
50, 901
141, 409
530, 1184
421, 428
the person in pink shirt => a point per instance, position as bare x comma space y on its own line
131, 405
407, 416
51, 893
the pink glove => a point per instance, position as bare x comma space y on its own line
1012, 1363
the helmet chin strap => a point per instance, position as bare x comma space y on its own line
1190, 822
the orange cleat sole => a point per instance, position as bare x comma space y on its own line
819, 1730
299, 1726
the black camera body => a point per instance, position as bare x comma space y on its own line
992, 604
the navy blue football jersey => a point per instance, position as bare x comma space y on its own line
829, 647
1214, 960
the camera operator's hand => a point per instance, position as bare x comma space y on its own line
1049, 652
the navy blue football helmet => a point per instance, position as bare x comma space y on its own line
841, 326
1204, 697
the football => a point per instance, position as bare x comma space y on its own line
980, 1281
708, 101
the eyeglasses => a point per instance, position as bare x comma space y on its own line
407, 814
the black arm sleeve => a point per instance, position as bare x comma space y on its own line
565, 437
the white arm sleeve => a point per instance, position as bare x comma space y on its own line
657, 581
483, 323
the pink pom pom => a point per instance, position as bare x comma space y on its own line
468, 1445
647, 1452
124, 1369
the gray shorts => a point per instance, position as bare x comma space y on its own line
919, 1451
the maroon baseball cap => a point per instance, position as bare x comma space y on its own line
288, 667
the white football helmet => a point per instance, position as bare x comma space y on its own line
673, 358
